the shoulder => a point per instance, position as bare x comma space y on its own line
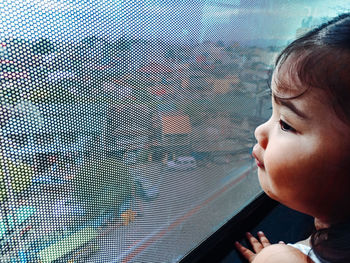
281, 253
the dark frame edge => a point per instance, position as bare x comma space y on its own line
221, 242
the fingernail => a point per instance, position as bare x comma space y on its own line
260, 233
281, 242
248, 234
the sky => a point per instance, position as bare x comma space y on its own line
172, 20
266, 19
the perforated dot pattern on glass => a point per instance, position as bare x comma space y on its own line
127, 126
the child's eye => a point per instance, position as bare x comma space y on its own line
286, 127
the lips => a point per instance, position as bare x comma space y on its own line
259, 163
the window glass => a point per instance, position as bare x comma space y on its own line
127, 126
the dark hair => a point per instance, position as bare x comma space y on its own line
323, 61
332, 245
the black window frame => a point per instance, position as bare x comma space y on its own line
220, 243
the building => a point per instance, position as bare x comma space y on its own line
128, 129
173, 137
225, 85
39, 133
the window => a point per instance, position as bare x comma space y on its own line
127, 126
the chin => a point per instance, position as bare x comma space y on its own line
269, 193
264, 185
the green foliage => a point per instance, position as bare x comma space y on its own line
124, 44
91, 41
20, 176
38, 95
4, 115
144, 95
220, 43
103, 185
143, 155
10, 94
52, 94
43, 46
170, 54
111, 49
3, 192
16, 46
195, 111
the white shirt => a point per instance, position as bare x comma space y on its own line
307, 251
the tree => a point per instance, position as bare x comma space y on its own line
14, 178
229, 49
91, 41
4, 115
144, 96
10, 93
43, 46
195, 111
220, 43
18, 50
171, 53
25, 116
124, 44
103, 185
20, 177
39, 95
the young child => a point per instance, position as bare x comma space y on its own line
303, 150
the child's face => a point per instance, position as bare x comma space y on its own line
303, 153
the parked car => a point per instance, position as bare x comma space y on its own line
146, 189
182, 163
221, 159
67, 206
48, 180
43, 183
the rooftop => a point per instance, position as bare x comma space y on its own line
176, 124
155, 68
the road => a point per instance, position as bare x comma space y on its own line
190, 207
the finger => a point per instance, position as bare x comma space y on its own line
256, 245
246, 253
263, 239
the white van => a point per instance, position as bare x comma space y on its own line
182, 163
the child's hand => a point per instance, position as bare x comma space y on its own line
256, 244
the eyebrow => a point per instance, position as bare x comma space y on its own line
290, 106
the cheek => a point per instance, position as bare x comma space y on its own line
292, 154
288, 170
276, 177
293, 175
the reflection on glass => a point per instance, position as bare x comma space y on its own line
127, 126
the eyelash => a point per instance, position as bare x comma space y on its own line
286, 127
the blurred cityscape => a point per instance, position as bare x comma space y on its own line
131, 102
91, 129
130, 97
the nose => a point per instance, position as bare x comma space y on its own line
261, 135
